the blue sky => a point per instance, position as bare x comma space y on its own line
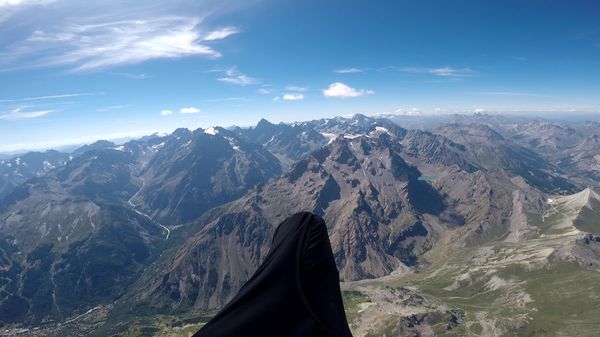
73, 72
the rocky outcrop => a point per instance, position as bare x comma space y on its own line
371, 199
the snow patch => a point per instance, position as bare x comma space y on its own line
48, 165
233, 144
330, 136
211, 131
270, 140
381, 129
158, 146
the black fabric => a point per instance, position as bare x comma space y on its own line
295, 292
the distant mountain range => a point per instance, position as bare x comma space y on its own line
173, 225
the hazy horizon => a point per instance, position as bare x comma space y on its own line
120, 138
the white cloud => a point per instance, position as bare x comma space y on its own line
233, 76
9, 6
293, 97
60, 96
242, 80
189, 110
264, 91
511, 93
133, 76
221, 33
480, 110
37, 98
340, 90
19, 113
276, 98
296, 88
13, 3
349, 70
447, 71
166, 112
99, 44
229, 99
442, 71
6, 3
408, 112
113, 107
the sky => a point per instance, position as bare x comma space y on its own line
76, 71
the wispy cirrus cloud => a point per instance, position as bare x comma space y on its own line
221, 33
264, 91
511, 93
93, 44
439, 71
341, 90
229, 99
233, 76
296, 88
166, 112
51, 97
350, 70
24, 113
62, 96
113, 107
133, 76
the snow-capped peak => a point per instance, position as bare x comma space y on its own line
211, 131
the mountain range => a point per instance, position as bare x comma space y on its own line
152, 235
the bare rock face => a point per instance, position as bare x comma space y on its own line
586, 252
434, 149
519, 228
491, 204
195, 171
289, 143
369, 196
400, 312
493, 151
